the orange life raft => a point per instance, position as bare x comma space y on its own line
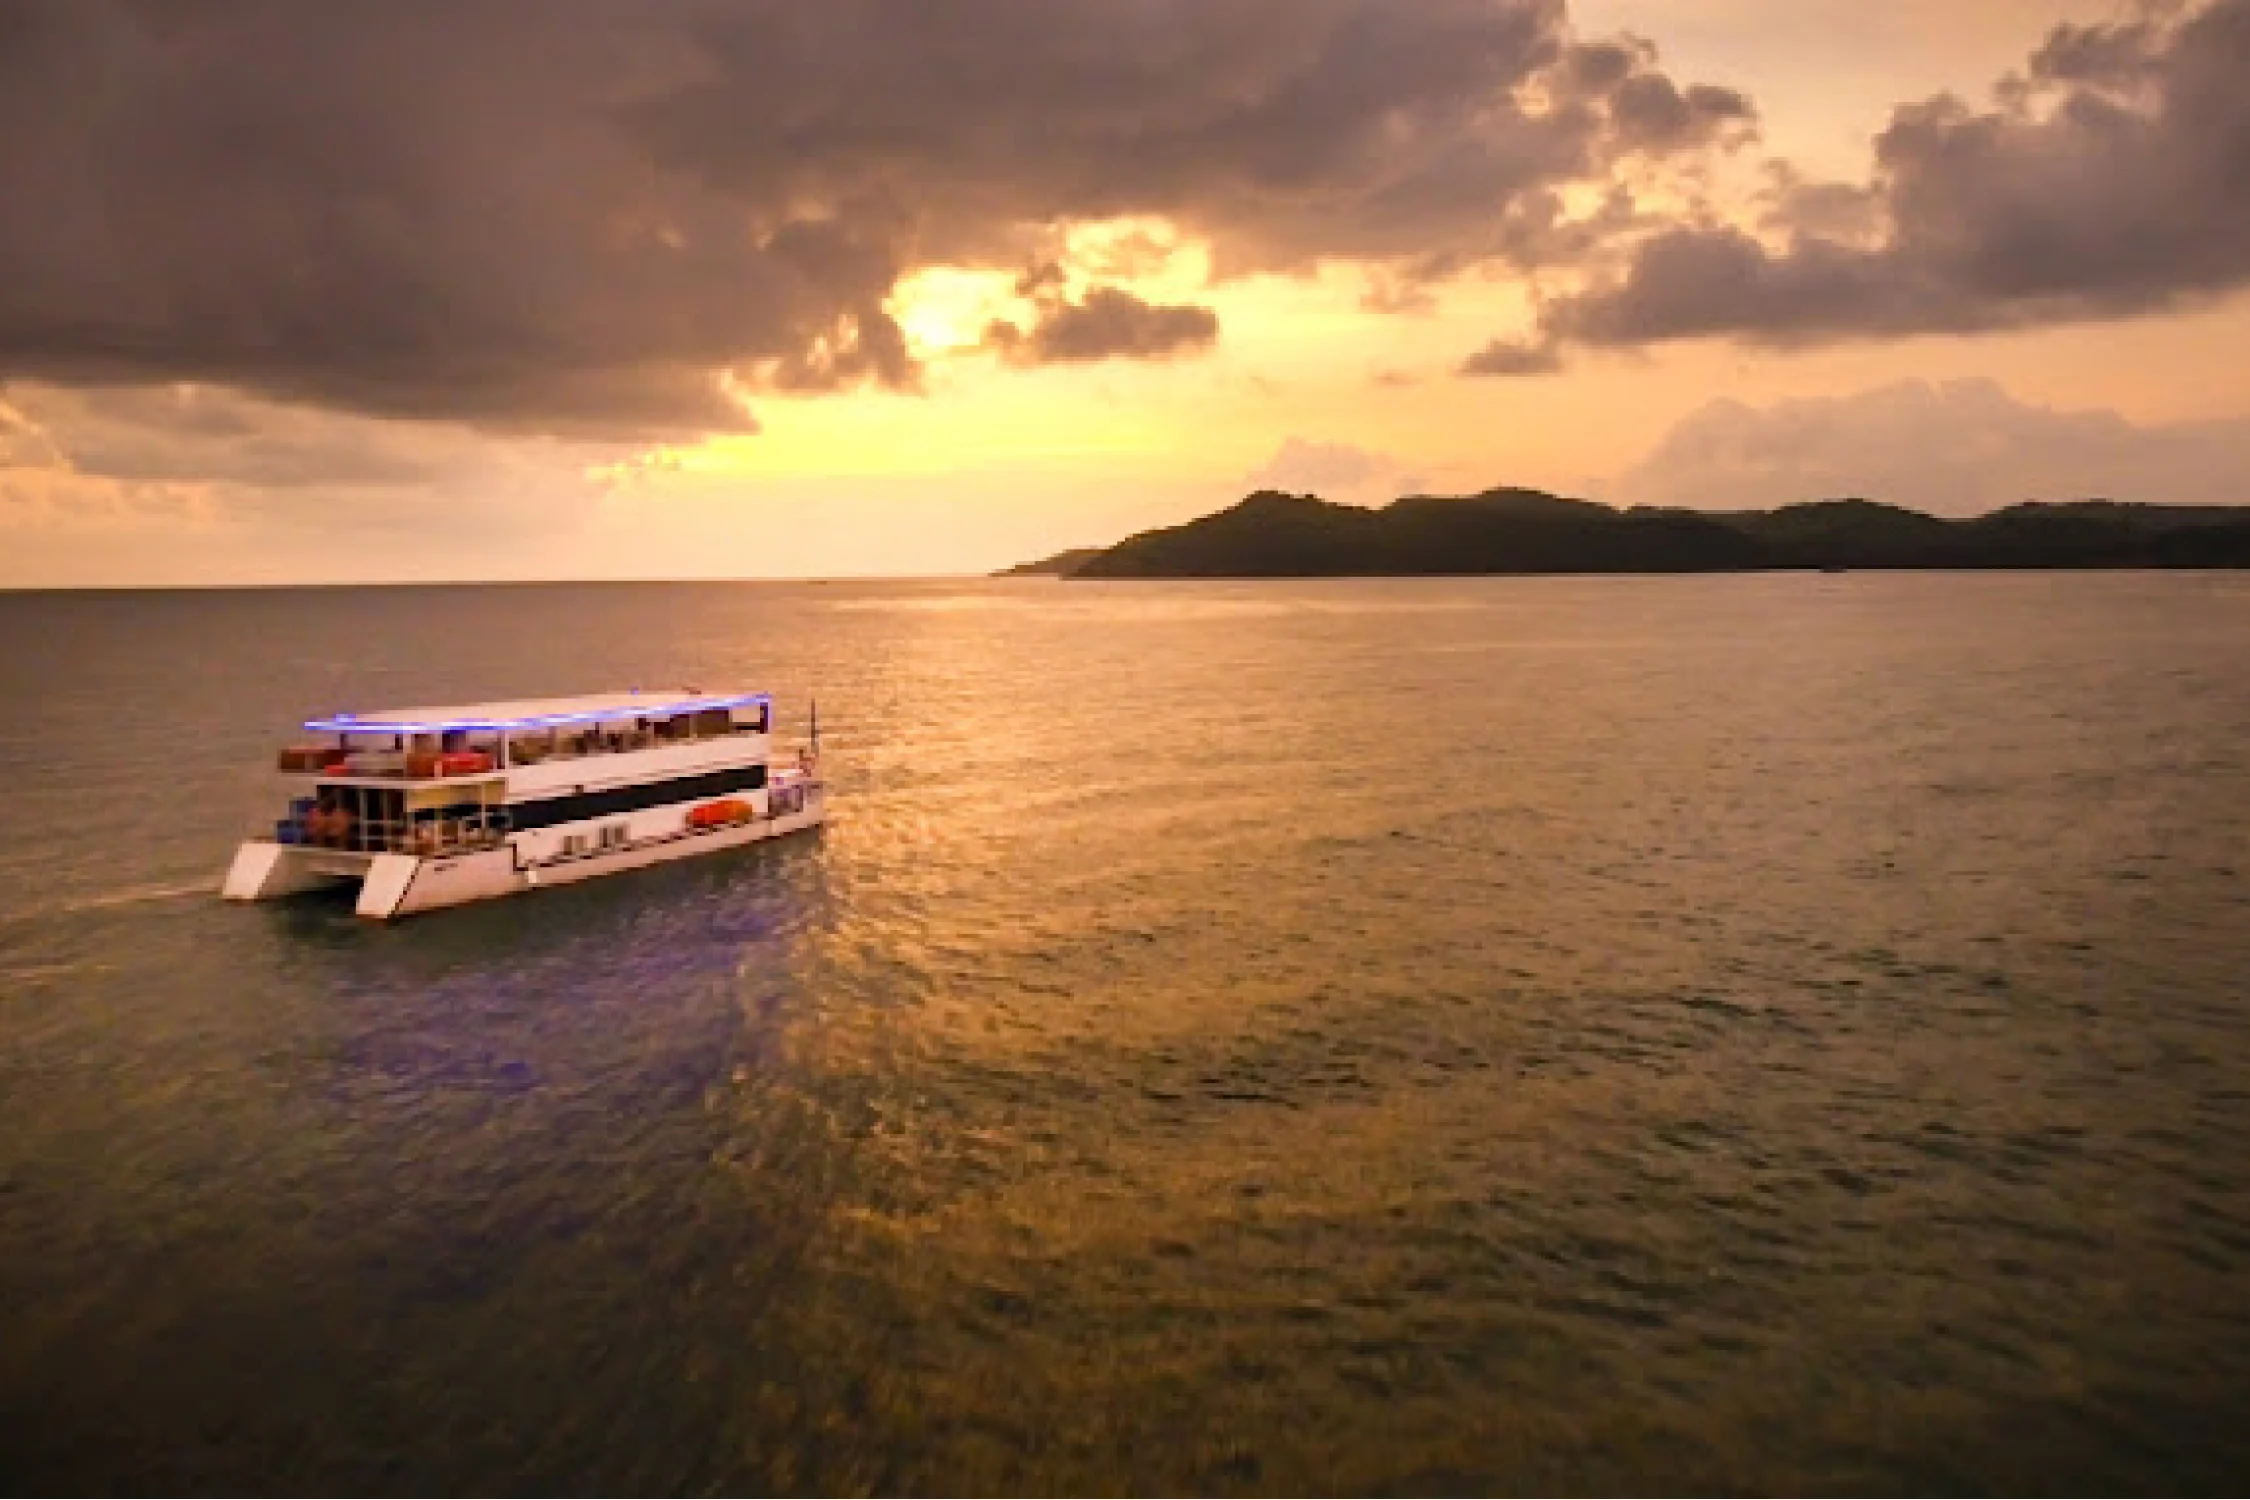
720, 814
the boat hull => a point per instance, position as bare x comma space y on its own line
401, 885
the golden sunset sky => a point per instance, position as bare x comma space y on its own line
744, 288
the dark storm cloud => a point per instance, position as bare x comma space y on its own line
1292, 129
413, 209
571, 215
86, 453
1508, 357
1792, 203
1107, 324
1647, 110
2111, 178
208, 435
2109, 56
1654, 114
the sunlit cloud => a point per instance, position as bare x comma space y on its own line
668, 270
946, 309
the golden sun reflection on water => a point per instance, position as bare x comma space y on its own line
1390, 1036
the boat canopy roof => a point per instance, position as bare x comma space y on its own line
536, 713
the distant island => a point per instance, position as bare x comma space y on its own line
1273, 535
1061, 565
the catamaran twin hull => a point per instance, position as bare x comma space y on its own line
428, 808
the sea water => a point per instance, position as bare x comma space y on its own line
1760, 1033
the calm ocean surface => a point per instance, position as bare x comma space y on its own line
1762, 1033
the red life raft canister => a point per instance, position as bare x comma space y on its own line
720, 814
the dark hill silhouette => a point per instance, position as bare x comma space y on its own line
1061, 565
1818, 533
1273, 535
1524, 531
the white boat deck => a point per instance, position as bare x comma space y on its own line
536, 713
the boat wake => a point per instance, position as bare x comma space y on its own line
132, 895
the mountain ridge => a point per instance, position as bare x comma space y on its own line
1511, 530
1061, 565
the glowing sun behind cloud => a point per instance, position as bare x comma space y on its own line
946, 309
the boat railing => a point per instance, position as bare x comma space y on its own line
484, 758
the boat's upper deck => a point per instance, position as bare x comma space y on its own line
481, 738
540, 713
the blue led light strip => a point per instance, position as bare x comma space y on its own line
352, 724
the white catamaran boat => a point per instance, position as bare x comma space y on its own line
431, 807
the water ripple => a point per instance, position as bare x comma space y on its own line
1442, 1037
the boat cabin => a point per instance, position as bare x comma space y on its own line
366, 819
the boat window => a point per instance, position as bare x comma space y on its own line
549, 811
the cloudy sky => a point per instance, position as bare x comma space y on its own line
296, 291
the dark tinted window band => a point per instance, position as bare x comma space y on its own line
549, 811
